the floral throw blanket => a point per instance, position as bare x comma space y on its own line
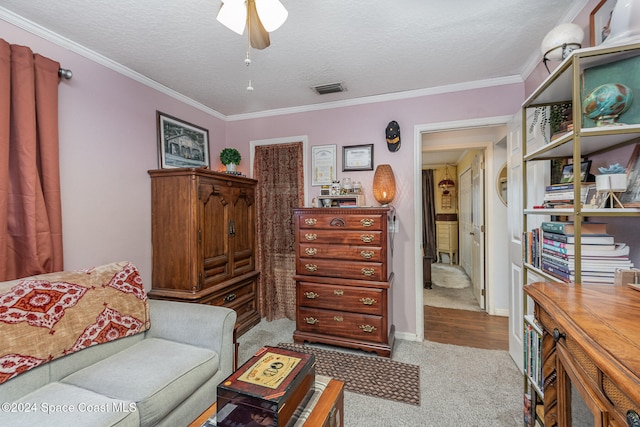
51, 315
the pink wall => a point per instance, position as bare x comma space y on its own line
108, 142
365, 124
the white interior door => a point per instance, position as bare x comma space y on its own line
465, 224
477, 228
514, 225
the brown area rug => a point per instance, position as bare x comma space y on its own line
369, 375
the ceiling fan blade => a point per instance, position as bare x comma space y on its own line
272, 14
233, 15
258, 36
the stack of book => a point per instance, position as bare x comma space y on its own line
561, 195
600, 255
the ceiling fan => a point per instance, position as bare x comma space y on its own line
260, 17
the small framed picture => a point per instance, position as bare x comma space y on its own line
567, 172
181, 144
357, 158
323, 164
599, 21
594, 199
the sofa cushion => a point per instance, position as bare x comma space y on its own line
64, 405
51, 315
156, 374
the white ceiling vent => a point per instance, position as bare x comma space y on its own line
329, 88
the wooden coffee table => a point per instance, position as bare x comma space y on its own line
327, 411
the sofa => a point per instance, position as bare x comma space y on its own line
88, 348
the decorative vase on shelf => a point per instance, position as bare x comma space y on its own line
607, 102
231, 167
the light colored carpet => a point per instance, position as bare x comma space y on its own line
459, 386
447, 290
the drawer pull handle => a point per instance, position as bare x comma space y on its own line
311, 295
367, 254
633, 420
338, 318
311, 267
367, 238
338, 292
311, 251
368, 328
311, 320
310, 236
557, 335
367, 222
368, 271
310, 221
230, 297
368, 301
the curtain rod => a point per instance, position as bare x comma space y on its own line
65, 73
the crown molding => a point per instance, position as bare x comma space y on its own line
477, 84
38, 30
66, 43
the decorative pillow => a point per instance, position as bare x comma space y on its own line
51, 315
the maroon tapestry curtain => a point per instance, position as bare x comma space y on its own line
30, 207
279, 171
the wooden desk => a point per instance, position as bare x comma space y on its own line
327, 411
590, 352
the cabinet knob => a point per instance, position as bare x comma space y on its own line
557, 335
338, 292
311, 320
338, 318
633, 420
311, 295
368, 328
310, 221
367, 254
368, 301
310, 236
368, 272
311, 251
367, 222
367, 238
230, 297
311, 267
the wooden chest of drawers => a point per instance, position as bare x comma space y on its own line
343, 278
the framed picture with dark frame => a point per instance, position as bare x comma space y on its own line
567, 172
599, 21
181, 144
357, 158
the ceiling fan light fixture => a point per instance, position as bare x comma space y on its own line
233, 14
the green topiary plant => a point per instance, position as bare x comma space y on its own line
230, 155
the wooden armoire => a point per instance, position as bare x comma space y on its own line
204, 240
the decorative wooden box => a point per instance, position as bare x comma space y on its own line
267, 389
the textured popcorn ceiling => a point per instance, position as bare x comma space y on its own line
374, 47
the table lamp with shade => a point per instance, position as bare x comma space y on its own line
384, 185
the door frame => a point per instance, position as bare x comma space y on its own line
417, 191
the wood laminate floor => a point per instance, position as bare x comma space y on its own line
466, 328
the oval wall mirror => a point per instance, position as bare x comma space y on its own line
501, 184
